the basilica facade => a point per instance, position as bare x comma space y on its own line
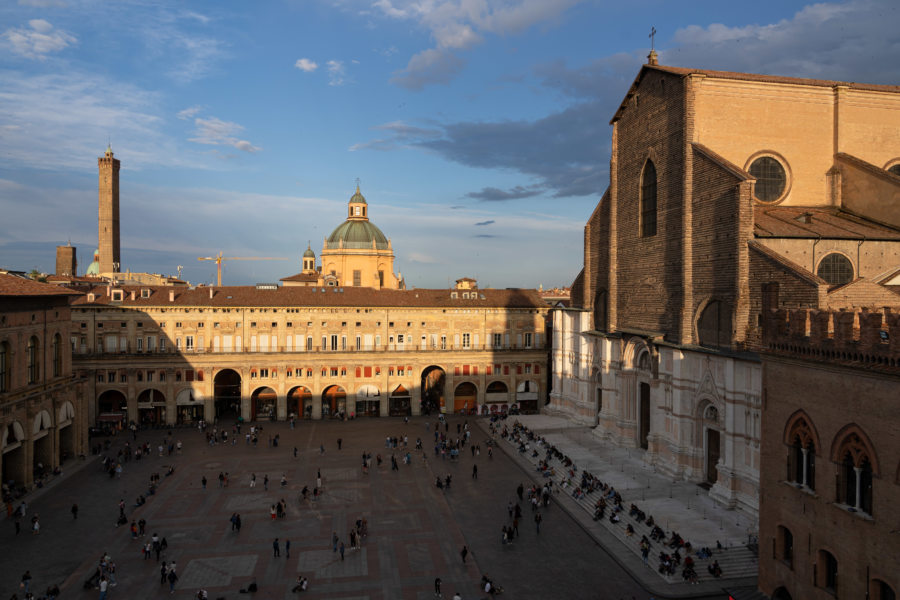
725, 189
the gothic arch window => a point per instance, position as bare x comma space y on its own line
601, 311
643, 361
836, 269
32, 357
802, 453
714, 325
711, 413
648, 200
856, 469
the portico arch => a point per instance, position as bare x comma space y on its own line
400, 402
368, 401
465, 397
433, 379
299, 402
64, 420
262, 404
334, 402
12, 448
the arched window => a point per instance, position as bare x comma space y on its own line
785, 545
601, 311
57, 355
894, 169
648, 200
714, 326
802, 456
882, 590
855, 476
771, 178
4, 367
827, 571
32, 358
836, 269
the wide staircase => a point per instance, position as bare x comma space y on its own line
735, 561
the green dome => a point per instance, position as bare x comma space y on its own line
357, 197
356, 235
309, 253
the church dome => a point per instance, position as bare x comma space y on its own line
358, 235
309, 253
358, 198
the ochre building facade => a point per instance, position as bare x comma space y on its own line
43, 414
723, 187
173, 355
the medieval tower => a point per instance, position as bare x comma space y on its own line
108, 238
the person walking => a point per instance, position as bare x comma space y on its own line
474, 471
437, 587
340, 441
203, 482
266, 482
252, 480
172, 577
464, 553
26, 582
342, 550
537, 522
163, 573
104, 585
276, 550
287, 548
74, 512
334, 541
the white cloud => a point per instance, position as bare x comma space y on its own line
42, 3
457, 25
849, 41
306, 65
38, 41
63, 122
189, 113
216, 132
336, 72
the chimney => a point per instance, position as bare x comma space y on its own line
171, 295
132, 295
210, 292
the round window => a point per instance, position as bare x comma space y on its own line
770, 178
836, 269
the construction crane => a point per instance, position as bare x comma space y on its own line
219, 258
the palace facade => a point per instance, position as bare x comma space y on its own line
724, 188
43, 413
830, 473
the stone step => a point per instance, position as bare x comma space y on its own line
735, 562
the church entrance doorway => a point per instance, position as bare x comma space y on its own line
433, 379
645, 415
712, 455
227, 394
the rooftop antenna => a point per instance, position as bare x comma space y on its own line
652, 36
179, 268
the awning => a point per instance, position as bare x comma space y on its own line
110, 417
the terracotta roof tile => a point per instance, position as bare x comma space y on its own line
12, 285
824, 222
301, 277
240, 296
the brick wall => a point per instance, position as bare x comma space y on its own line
649, 270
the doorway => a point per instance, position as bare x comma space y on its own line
227, 394
645, 415
712, 455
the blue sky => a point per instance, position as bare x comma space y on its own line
478, 128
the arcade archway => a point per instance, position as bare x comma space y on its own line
527, 396
12, 446
465, 397
334, 402
368, 401
42, 444
262, 404
189, 406
151, 407
400, 403
433, 379
64, 421
300, 402
227, 394
112, 409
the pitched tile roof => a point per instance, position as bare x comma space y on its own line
818, 222
293, 296
301, 277
13, 285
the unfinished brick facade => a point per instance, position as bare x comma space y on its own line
660, 353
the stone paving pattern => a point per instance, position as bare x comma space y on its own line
415, 530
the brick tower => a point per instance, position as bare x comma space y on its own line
108, 238
66, 261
